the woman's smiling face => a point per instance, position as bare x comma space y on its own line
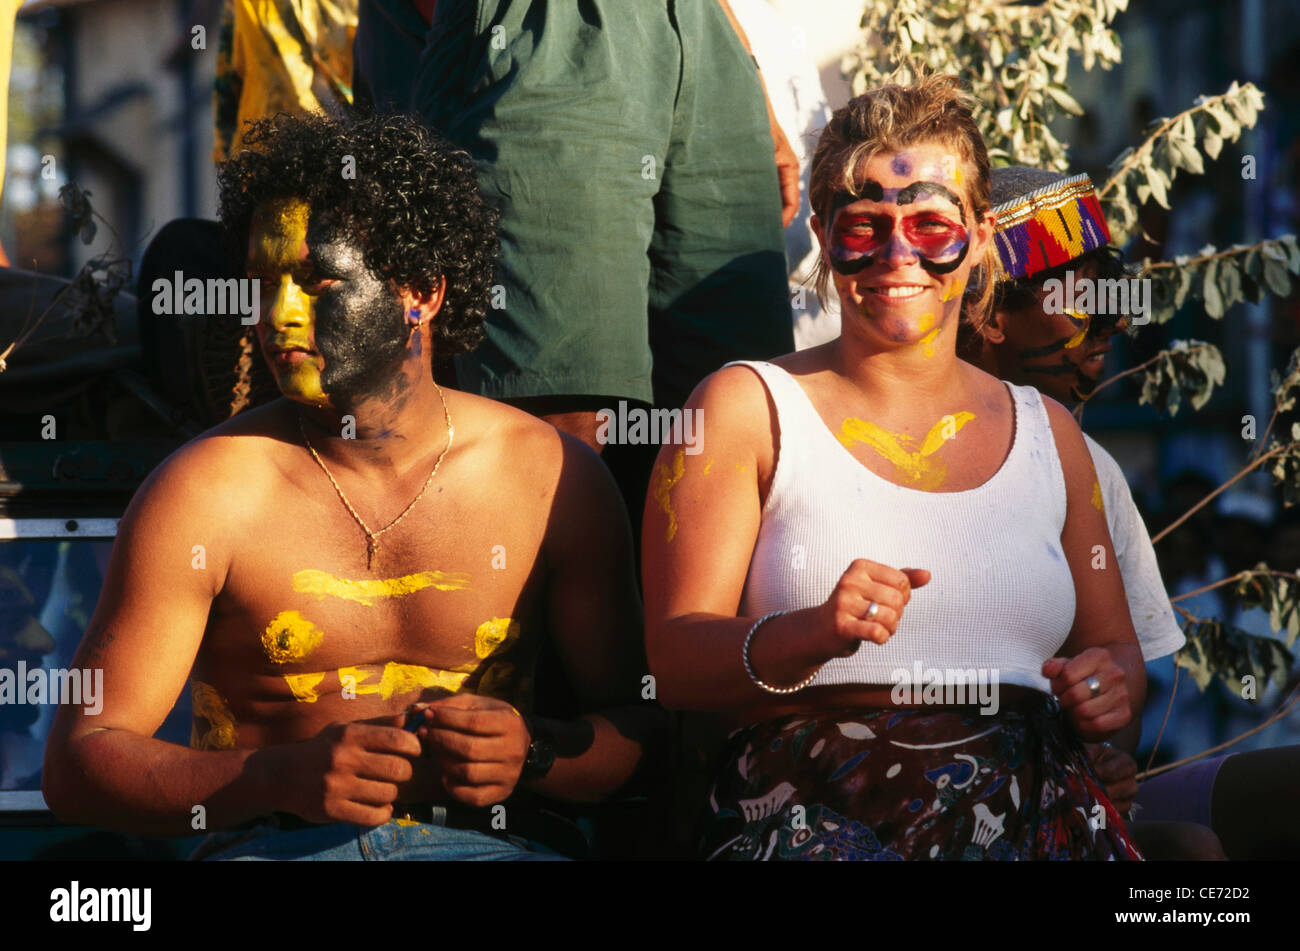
901, 251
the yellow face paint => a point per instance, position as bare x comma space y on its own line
366, 592
290, 637
211, 706
916, 466
1083, 331
276, 235
1097, 501
953, 292
304, 686
495, 636
665, 479
924, 324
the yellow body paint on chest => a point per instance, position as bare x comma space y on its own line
304, 686
398, 678
495, 636
366, 592
665, 479
1097, 501
211, 706
916, 466
290, 637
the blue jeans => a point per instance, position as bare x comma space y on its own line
399, 840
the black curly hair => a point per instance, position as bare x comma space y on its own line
408, 197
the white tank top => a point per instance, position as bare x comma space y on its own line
1000, 596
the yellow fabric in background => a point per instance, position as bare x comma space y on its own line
273, 56
8, 13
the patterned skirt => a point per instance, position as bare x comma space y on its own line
890, 784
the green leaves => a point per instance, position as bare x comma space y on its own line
1223, 278
1215, 649
1286, 388
1146, 173
1277, 593
1015, 58
1187, 370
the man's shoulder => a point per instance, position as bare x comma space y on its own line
508, 436
230, 454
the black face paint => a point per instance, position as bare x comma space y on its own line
858, 240
360, 321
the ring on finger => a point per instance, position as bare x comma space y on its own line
872, 610
1094, 686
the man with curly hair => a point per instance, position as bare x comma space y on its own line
356, 578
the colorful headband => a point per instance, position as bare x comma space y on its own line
1048, 227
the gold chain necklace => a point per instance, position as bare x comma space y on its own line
372, 538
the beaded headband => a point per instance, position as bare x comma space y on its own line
1048, 227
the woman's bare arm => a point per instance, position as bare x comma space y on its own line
1102, 642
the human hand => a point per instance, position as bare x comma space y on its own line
1095, 714
1117, 772
480, 744
348, 772
842, 622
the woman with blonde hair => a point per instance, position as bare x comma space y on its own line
883, 567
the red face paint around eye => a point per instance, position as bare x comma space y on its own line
857, 240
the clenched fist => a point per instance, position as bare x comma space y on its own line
846, 619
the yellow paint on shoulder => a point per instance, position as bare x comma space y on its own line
1097, 501
741, 467
304, 686
366, 592
290, 637
953, 292
665, 479
916, 466
707, 466
211, 706
495, 636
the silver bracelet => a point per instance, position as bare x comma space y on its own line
749, 669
